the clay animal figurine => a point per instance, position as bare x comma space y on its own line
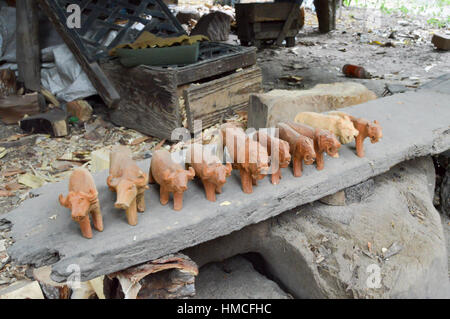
324, 141
301, 148
83, 200
209, 169
128, 181
284, 157
341, 127
171, 177
365, 128
248, 156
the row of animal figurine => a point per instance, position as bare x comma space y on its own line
304, 140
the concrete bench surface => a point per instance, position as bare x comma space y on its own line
414, 124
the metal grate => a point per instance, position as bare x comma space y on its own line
107, 23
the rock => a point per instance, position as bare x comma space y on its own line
445, 193
215, 25
336, 199
235, 278
320, 251
441, 41
80, 109
359, 192
22, 290
267, 109
184, 17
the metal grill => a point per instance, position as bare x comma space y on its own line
107, 23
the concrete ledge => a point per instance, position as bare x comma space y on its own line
414, 124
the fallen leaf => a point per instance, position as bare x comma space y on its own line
225, 203
140, 140
3, 152
13, 172
31, 180
4, 193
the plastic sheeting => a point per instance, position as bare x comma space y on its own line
65, 77
8, 34
60, 73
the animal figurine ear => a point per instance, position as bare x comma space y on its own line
142, 179
112, 182
92, 195
191, 173
63, 201
207, 171
376, 122
368, 125
166, 175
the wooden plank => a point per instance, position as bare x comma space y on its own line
209, 68
410, 129
151, 103
274, 34
14, 107
295, 11
28, 51
210, 101
264, 12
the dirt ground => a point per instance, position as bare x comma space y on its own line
401, 53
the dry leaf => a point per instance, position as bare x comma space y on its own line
31, 180
4, 193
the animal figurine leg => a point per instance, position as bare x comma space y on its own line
246, 181
140, 201
219, 189
210, 190
360, 146
254, 182
297, 165
177, 201
275, 178
85, 226
131, 213
97, 218
163, 195
151, 179
320, 162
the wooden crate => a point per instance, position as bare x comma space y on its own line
146, 98
258, 22
210, 89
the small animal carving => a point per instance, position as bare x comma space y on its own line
248, 156
209, 169
324, 141
128, 181
282, 160
83, 200
365, 128
171, 177
343, 128
300, 146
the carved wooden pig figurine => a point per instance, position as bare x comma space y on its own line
301, 148
341, 127
324, 141
284, 157
128, 181
209, 168
82, 200
248, 156
365, 129
171, 177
